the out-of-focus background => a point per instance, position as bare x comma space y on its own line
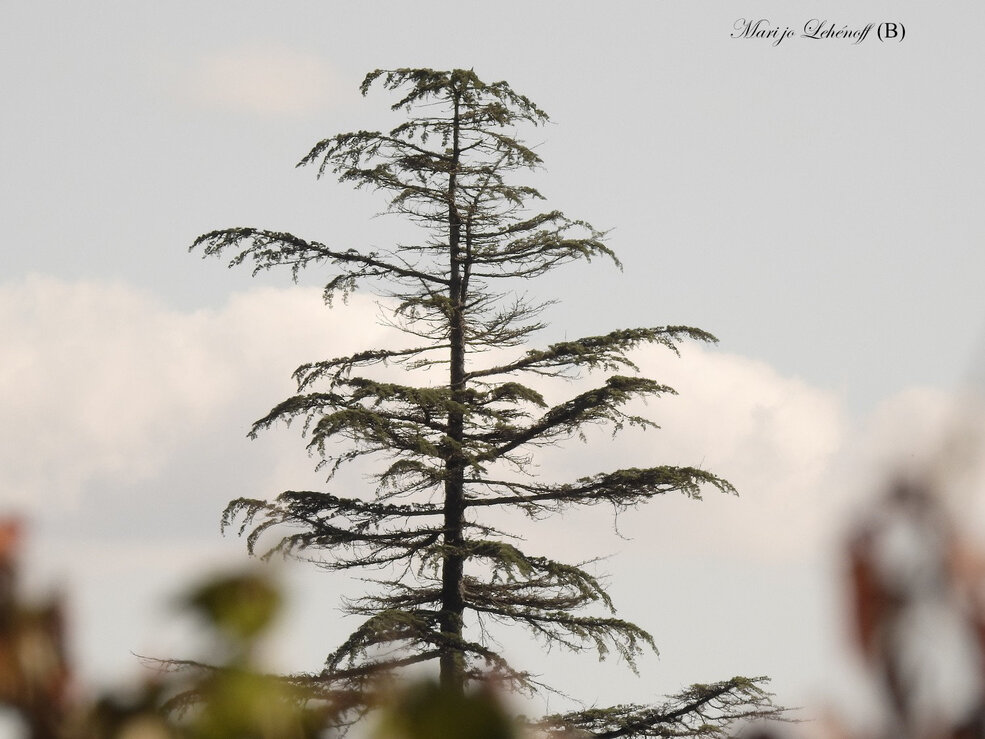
814, 204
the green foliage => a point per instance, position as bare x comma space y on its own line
708, 711
425, 711
238, 608
235, 698
461, 442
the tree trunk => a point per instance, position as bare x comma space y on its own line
453, 564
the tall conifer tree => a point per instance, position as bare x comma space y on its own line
451, 450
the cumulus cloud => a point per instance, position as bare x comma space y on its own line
803, 464
111, 397
123, 437
773, 437
103, 383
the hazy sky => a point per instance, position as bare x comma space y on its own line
812, 203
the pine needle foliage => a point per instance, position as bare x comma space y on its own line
462, 444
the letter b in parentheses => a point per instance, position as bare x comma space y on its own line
891, 31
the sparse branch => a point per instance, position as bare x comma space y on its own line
269, 249
701, 711
596, 352
622, 488
514, 576
574, 632
594, 406
363, 540
410, 631
335, 369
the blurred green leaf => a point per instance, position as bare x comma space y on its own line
239, 606
426, 711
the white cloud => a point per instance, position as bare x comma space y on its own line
773, 437
101, 382
802, 464
106, 392
271, 81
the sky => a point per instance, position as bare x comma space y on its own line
812, 203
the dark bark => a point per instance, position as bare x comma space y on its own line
453, 565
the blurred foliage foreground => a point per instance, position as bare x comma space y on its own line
195, 701
904, 557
